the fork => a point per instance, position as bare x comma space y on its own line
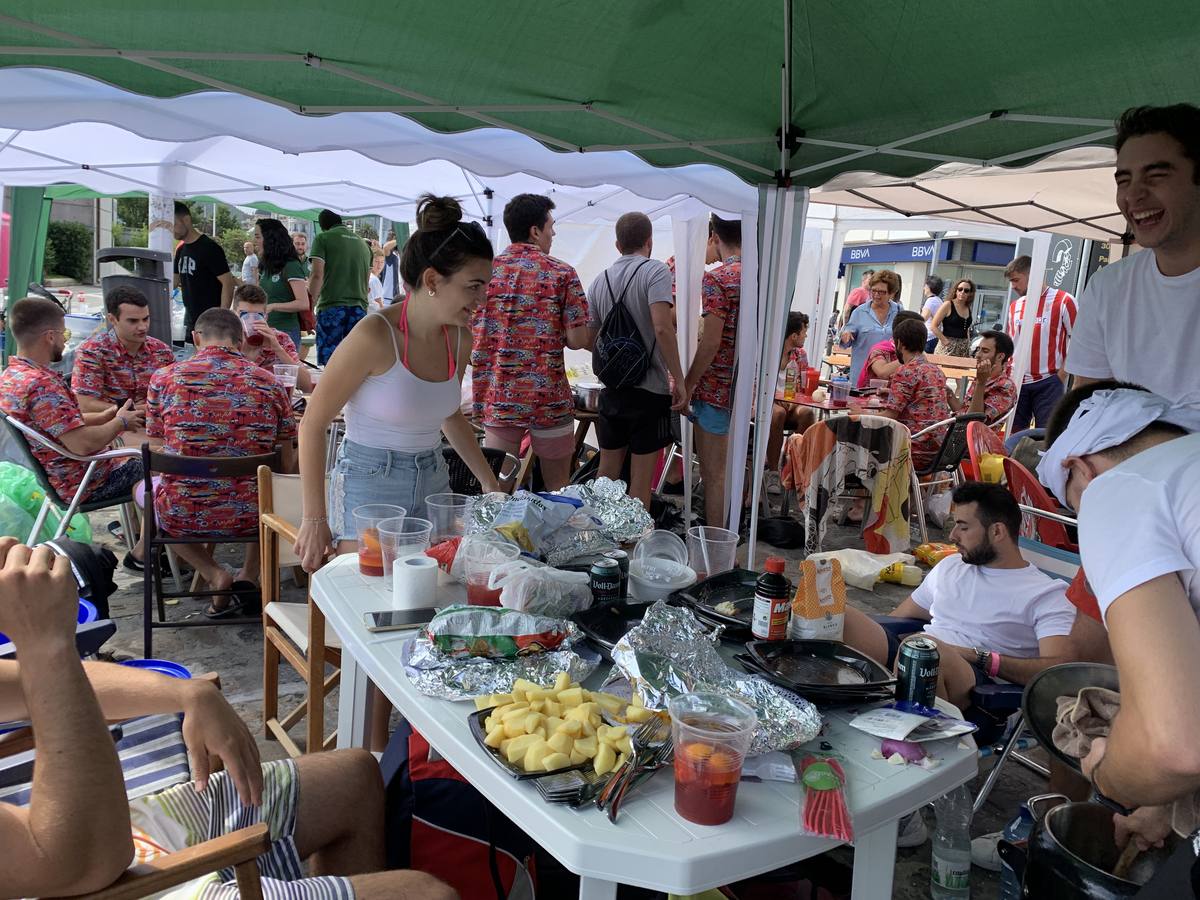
647, 741
662, 757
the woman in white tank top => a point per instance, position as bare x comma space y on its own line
397, 376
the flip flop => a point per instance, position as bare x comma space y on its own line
246, 601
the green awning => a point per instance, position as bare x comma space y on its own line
890, 87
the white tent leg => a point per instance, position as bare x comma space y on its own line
689, 236
162, 222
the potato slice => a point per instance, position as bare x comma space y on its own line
561, 743
573, 727
552, 708
571, 696
495, 738
589, 729
638, 714
605, 759
577, 757
552, 723
562, 681
587, 746
537, 752
483, 702
608, 702
533, 721
624, 745
518, 746
637, 699
554, 761
514, 728
519, 710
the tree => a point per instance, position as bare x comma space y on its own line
133, 212
365, 230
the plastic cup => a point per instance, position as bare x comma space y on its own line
400, 537
479, 559
812, 380
711, 550
839, 391
879, 384
448, 513
711, 734
366, 522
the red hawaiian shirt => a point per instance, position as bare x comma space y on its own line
39, 397
721, 291
217, 403
999, 397
884, 351
917, 394
518, 376
104, 369
267, 358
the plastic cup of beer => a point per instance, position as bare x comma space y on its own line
448, 513
286, 376
711, 734
480, 557
366, 523
400, 537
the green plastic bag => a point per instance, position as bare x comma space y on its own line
19, 485
14, 521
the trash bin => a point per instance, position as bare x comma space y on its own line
149, 272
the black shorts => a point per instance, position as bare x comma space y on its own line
633, 418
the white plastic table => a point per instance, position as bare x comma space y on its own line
650, 845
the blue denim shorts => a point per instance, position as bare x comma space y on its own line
711, 418
365, 475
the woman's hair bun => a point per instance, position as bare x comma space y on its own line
438, 213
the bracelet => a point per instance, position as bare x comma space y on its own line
993, 668
315, 519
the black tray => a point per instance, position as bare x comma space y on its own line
817, 695
857, 672
475, 722
606, 624
702, 597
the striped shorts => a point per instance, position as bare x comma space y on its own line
181, 816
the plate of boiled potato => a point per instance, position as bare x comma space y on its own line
535, 730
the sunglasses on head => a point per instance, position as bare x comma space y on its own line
466, 229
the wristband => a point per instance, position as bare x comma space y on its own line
315, 519
993, 668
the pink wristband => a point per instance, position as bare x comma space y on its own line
993, 664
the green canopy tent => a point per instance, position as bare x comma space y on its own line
785, 95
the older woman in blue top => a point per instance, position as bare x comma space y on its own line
871, 322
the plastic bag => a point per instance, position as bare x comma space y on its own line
541, 590
527, 520
937, 508
14, 521
819, 607
20, 485
860, 568
933, 553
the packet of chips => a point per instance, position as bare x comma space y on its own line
494, 632
933, 553
819, 607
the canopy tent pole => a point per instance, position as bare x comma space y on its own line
690, 237
26, 247
1037, 273
161, 225
819, 332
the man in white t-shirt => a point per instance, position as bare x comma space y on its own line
1129, 462
932, 291
249, 264
1137, 317
991, 613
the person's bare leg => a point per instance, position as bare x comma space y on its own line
865, 635
497, 443
339, 820
779, 417
250, 569
403, 884
206, 566
556, 472
956, 676
611, 462
641, 476
711, 449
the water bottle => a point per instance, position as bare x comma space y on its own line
950, 868
791, 377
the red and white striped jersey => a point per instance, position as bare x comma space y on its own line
1051, 331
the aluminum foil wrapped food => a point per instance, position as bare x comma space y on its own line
482, 512
671, 653
621, 517
608, 514
438, 675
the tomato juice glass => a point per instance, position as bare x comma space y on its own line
366, 522
480, 557
711, 734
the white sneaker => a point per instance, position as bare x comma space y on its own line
984, 853
912, 831
773, 483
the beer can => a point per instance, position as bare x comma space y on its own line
604, 578
917, 671
622, 559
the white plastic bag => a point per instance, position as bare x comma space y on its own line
937, 509
860, 568
541, 590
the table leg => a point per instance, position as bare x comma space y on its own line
874, 862
354, 704
596, 889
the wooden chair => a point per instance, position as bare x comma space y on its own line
287, 627
238, 850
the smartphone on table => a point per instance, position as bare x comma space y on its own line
399, 619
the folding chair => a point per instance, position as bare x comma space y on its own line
153, 757
943, 468
155, 463
288, 627
20, 438
463, 481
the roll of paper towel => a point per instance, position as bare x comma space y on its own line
414, 582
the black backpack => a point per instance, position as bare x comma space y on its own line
619, 357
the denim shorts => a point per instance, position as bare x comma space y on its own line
365, 475
712, 419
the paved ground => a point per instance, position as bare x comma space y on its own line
235, 652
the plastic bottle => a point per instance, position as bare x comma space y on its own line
950, 867
772, 602
899, 573
791, 377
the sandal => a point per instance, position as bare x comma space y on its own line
246, 601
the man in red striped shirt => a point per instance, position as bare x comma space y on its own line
1055, 317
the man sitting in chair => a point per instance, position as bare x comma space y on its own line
79, 831
265, 346
991, 613
217, 403
999, 393
36, 395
